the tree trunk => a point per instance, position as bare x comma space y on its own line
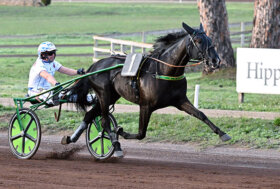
213, 16
266, 24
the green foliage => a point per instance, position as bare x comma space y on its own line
46, 2
277, 121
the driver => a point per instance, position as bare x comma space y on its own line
41, 76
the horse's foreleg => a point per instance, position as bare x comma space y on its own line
113, 136
144, 118
190, 109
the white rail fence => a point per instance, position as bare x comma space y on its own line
240, 34
117, 46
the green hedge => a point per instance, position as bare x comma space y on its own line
46, 2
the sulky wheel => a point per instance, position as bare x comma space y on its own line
24, 142
98, 141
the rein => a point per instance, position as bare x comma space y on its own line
174, 66
171, 78
176, 78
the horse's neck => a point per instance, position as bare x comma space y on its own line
175, 55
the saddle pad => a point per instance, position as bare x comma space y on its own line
131, 64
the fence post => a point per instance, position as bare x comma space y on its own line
132, 49
240, 98
242, 36
112, 48
122, 49
196, 94
143, 40
95, 53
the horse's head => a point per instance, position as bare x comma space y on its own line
200, 47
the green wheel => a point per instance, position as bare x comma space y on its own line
25, 141
98, 141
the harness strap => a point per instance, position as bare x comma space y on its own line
59, 112
170, 78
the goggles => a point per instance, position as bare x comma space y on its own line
50, 53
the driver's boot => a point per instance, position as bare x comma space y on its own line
91, 98
70, 139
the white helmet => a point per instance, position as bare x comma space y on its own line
46, 47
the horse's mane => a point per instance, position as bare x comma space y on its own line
163, 42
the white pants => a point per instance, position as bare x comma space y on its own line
42, 97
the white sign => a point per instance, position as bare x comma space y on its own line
258, 71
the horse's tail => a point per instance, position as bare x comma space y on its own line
81, 89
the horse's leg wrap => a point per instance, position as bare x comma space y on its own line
78, 131
118, 151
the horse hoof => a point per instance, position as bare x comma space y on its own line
225, 137
119, 130
118, 154
65, 140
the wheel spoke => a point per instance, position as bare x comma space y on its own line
107, 137
102, 146
23, 144
16, 137
28, 125
94, 140
31, 138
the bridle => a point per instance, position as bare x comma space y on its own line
204, 59
200, 52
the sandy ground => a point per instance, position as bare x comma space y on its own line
145, 165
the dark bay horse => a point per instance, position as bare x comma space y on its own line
160, 82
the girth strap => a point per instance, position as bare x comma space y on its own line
170, 78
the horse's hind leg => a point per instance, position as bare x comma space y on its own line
90, 115
190, 109
144, 118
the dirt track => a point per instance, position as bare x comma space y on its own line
144, 166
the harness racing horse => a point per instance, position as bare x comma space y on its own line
160, 82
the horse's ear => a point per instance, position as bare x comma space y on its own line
188, 28
201, 27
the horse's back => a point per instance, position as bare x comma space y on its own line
107, 62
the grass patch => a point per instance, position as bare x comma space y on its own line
254, 133
217, 91
74, 23
100, 18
